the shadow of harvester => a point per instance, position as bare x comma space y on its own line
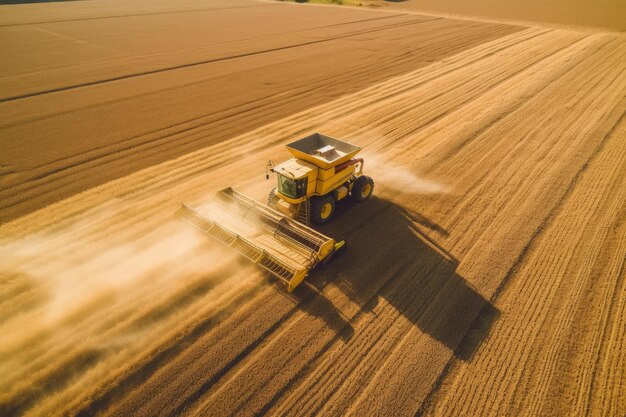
389, 258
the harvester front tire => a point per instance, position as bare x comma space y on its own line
322, 209
272, 199
362, 189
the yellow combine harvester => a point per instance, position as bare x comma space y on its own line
277, 236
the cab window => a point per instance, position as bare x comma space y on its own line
290, 187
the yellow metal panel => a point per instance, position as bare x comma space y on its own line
297, 279
324, 174
326, 249
310, 188
295, 168
292, 200
324, 187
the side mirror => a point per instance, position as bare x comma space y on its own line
269, 168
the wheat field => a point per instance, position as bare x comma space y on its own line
486, 276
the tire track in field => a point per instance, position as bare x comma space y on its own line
346, 110
305, 392
149, 142
65, 175
602, 174
212, 60
133, 15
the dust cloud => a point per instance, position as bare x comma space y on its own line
391, 177
83, 298
72, 269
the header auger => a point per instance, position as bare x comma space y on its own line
277, 236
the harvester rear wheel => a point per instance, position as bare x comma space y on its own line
362, 189
272, 198
322, 209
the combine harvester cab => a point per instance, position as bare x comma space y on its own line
276, 236
322, 172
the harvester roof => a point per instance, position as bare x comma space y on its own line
323, 151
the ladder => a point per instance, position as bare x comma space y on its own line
304, 212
